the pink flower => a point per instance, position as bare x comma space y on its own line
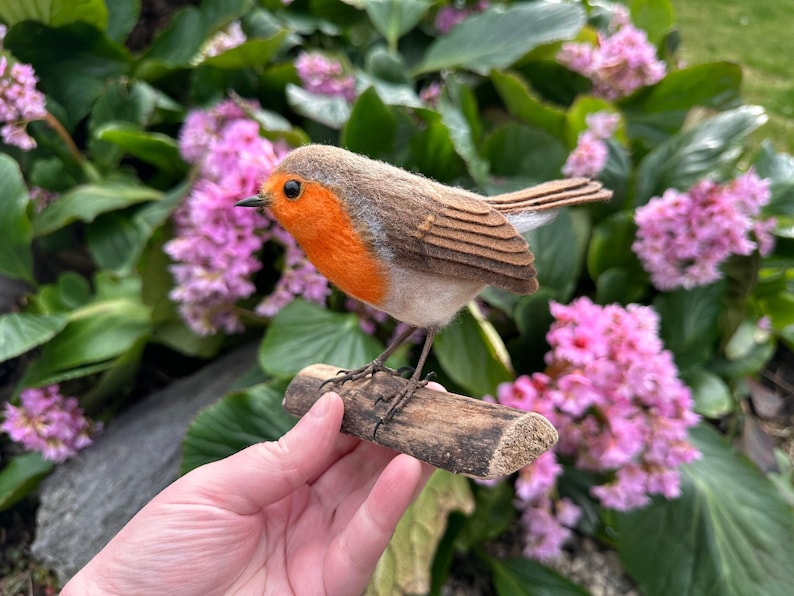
47, 422
614, 395
20, 103
684, 237
449, 17
325, 76
215, 246
622, 62
225, 40
590, 155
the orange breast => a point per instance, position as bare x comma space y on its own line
322, 226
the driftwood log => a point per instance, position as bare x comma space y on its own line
453, 432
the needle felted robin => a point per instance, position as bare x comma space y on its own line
407, 245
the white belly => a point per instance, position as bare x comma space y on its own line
427, 300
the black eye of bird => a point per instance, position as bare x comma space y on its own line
292, 189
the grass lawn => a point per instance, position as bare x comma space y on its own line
757, 35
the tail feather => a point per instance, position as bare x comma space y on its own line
532, 207
551, 195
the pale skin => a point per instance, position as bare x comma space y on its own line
308, 514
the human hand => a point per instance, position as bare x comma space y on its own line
308, 514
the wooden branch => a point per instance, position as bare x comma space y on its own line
453, 432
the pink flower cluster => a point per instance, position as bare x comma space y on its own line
622, 62
215, 244
684, 237
449, 17
324, 76
591, 152
613, 393
47, 422
20, 101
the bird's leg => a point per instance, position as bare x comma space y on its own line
377, 365
414, 382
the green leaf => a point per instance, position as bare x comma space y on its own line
404, 568
54, 13
711, 395
454, 106
729, 533
122, 16
472, 354
689, 322
394, 18
181, 42
610, 246
710, 85
653, 16
621, 286
21, 332
21, 476
371, 128
521, 156
522, 103
523, 577
432, 151
155, 148
303, 333
74, 64
331, 111
709, 148
498, 37
559, 248
251, 54
16, 232
239, 419
493, 514
89, 200
96, 333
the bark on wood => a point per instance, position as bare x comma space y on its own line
453, 432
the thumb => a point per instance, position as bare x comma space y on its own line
267, 472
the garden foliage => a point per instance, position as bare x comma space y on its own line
119, 173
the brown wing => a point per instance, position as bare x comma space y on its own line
462, 236
550, 195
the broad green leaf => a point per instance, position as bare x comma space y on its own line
21, 332
559, 248
610, 245
709, 148
54, 13
394, 18
239, 419
74, 65
521, 156
86, 202
404, 568
20, 476
303, 333
16, 232
619, 285
522, 103
371, 128
498, 37
97, 332
463, 139
533, 319
432, 151
729, 533
180, 43
387, 66
779, 169
122, 16
711, 395
114, 241
689, 322
524, 577
331, 111
653, 16
493, 514
710, 85
71, 291
472, 355
251, 54
155, 148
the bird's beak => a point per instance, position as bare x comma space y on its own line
255, 201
